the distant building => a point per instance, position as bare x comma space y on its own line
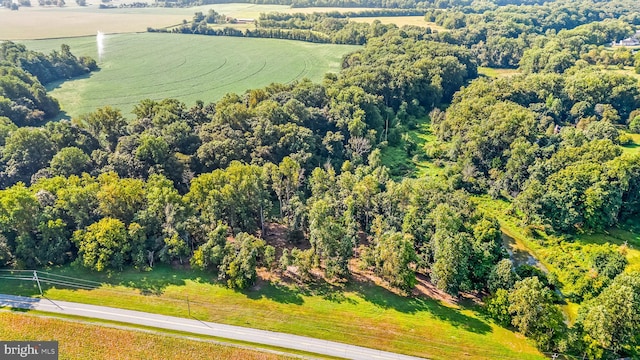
632, 41
628, 42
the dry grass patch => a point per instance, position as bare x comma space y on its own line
86, 341
28, 23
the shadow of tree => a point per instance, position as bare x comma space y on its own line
328, 291
370, 292
22, 288
50, 86
151, 282
411, 305
19, 310
152, 285
62, 115
280, 293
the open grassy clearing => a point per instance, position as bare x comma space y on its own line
626, 70
496, 73
421, 136
400, 21
510, 225
362, 313
399, 161
87, 341
634, 146
185, 67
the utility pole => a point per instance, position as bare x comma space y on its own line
35, 277
188, 306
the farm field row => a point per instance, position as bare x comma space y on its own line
186, 67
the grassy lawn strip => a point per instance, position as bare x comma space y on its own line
82, 340
496, 72
402, 165
634, 146
360, 314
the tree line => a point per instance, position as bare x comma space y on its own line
549, 37
331, 28
108, 223
23, 72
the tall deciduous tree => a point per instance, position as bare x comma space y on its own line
394, 253
106, 124
612, 320
533, 313
26, 151
329, 238
236, 195
70, 161
107, 244
242, 256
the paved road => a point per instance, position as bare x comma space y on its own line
282, 340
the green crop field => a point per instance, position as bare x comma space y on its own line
187, 67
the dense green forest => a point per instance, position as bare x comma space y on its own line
202, 185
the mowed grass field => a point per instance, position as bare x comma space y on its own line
186, 67
361, 313
496, 73
81, 341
